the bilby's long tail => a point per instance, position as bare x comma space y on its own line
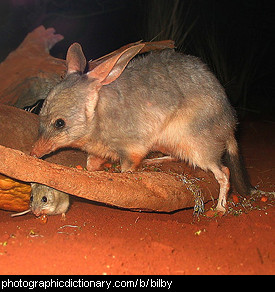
239, 178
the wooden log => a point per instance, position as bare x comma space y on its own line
155, 191
29, 72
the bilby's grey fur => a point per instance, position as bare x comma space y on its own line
164, 101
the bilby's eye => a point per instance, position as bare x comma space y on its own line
44, 199
59, 123
31, 198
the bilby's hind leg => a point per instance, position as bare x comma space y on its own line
222, 176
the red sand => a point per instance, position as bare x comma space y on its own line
95, 239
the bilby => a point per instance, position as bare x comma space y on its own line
164, 101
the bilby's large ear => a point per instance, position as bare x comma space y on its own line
110, 70
75, 59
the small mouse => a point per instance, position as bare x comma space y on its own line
48, 201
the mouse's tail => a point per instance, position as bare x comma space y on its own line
239, 178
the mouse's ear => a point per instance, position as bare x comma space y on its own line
75, 59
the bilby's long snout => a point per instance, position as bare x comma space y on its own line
42, 147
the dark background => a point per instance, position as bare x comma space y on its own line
235, 38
